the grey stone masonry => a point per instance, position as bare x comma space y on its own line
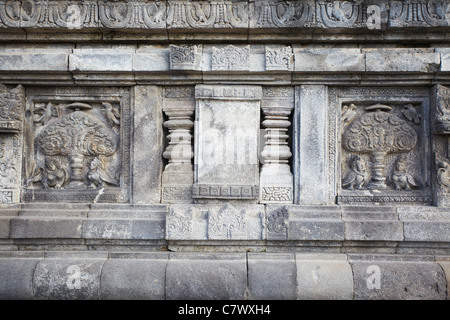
224, 276
231, 150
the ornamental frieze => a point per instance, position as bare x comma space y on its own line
181, 14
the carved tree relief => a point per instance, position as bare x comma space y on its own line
379, 133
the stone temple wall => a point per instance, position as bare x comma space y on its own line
228, 149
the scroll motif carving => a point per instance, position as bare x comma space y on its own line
278, 225
279, 14
230, 58
185, 57
419, 13
227, 223
279, 58
211, 14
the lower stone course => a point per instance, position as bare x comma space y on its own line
221, 276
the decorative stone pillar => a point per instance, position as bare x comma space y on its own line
178, 175
440, 119
276, 180
12, 106
310, 145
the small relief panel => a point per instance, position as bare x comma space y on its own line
77, 144
384, 152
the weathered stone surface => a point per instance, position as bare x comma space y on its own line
35, 59
68, 278
402, 60
102, 60
444, 262
310, 145
123, 229
4, 227
16, 275
215, 222
134, 276
314, 223
375, 224
381, 277
329, 60
272, 276
46, 228
425, 224
197, 276
148, 141
324, 276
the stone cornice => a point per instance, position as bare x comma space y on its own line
224, 15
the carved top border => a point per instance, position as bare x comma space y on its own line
223, 14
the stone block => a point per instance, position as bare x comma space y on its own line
35, 59
372, 224
68, 278
444, 262
4, 227
16, 275
202, 276
328, 60
148, 144
402, 60
429, 224
310, 145
315, 223
397, 278
151, 59
215, 222
445, 59
101, 60
45, 228
138, 229
137, 276
272, 276
323, 277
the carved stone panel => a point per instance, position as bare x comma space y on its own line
12, 106
440, 118
384, 146
77, 145
227, 136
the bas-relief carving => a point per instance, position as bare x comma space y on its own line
385, 153
215, 222
76, 142
440, 117
12, 106
217, 14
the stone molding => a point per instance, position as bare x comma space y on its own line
219, 15
225, 276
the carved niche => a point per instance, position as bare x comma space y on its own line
77, 145
384, 156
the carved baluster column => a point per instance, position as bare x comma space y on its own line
178, 175
276, 179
